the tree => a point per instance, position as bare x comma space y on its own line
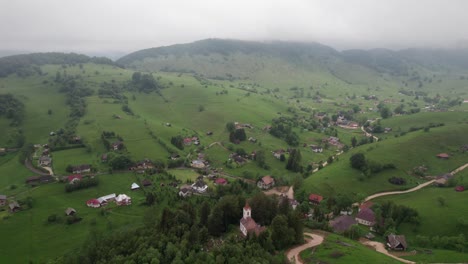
230, 127
120, 162
204, 213
281, 234
358, 161
385, 112
136, 77
260, 158
201, 108
294, 161
441, 201
353, 142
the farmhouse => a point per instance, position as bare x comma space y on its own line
185, 191
3, 199
70, 211
198, 164
266, 182
94, 203
248, 224
118, 145
316, 148
45, 161
277, 153
14, 206
74, 178
342, 223
199, 186
105, 199
315, 198
366, 217
81, 168
221, 181
123, 199
396, 242
443, 156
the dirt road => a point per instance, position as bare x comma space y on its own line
398, 192
379, 247
293, 253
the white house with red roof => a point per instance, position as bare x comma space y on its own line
248, 224
315, 198
74, 178
94, 203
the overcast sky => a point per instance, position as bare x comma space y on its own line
130, 25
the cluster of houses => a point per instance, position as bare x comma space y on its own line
334, 141
121, 199
341, 121
200, 186
13, 206
142, 166
191, 140
44, 159
118, 145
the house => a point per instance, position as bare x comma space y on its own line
277, 153
443, 156
266, 182
14, 206
3, 199
198, 164
209, 133
118, 145
442, 180
94, 203
45, 161
199, 186
146, 183
221, 181
316, 148
252, 139
342, 223
81, 168
247, 223
105, 199
396, 242
72, 179
365, 205
185, 191
70, 211
134, 187
366, 217
459, 188
187, 141
123, 199
175, 156
104, 158
315, 198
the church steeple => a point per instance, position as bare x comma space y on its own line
247, 211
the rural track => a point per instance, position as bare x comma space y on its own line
29, 166
422, 185
379, 247
314, 240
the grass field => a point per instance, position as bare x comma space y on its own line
439, 256
338, 249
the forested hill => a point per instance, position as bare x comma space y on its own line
27, 64
220, 58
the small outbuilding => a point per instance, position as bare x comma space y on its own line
134, 186
396, 242
94, 203
443, 156
70, 211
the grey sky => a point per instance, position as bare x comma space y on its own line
118, 25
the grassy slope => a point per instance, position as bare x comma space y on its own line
435, 219
355, 253
405, 152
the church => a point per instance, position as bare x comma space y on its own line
248, 224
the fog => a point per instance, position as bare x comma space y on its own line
117, 26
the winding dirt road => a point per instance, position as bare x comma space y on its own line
398, 192
293, 253
379, 247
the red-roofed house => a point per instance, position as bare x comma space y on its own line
74, 178
93, 203
443, 156
366, 217
221, 181
365, 205
315, 198
266, 182
187, 141
248, 224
